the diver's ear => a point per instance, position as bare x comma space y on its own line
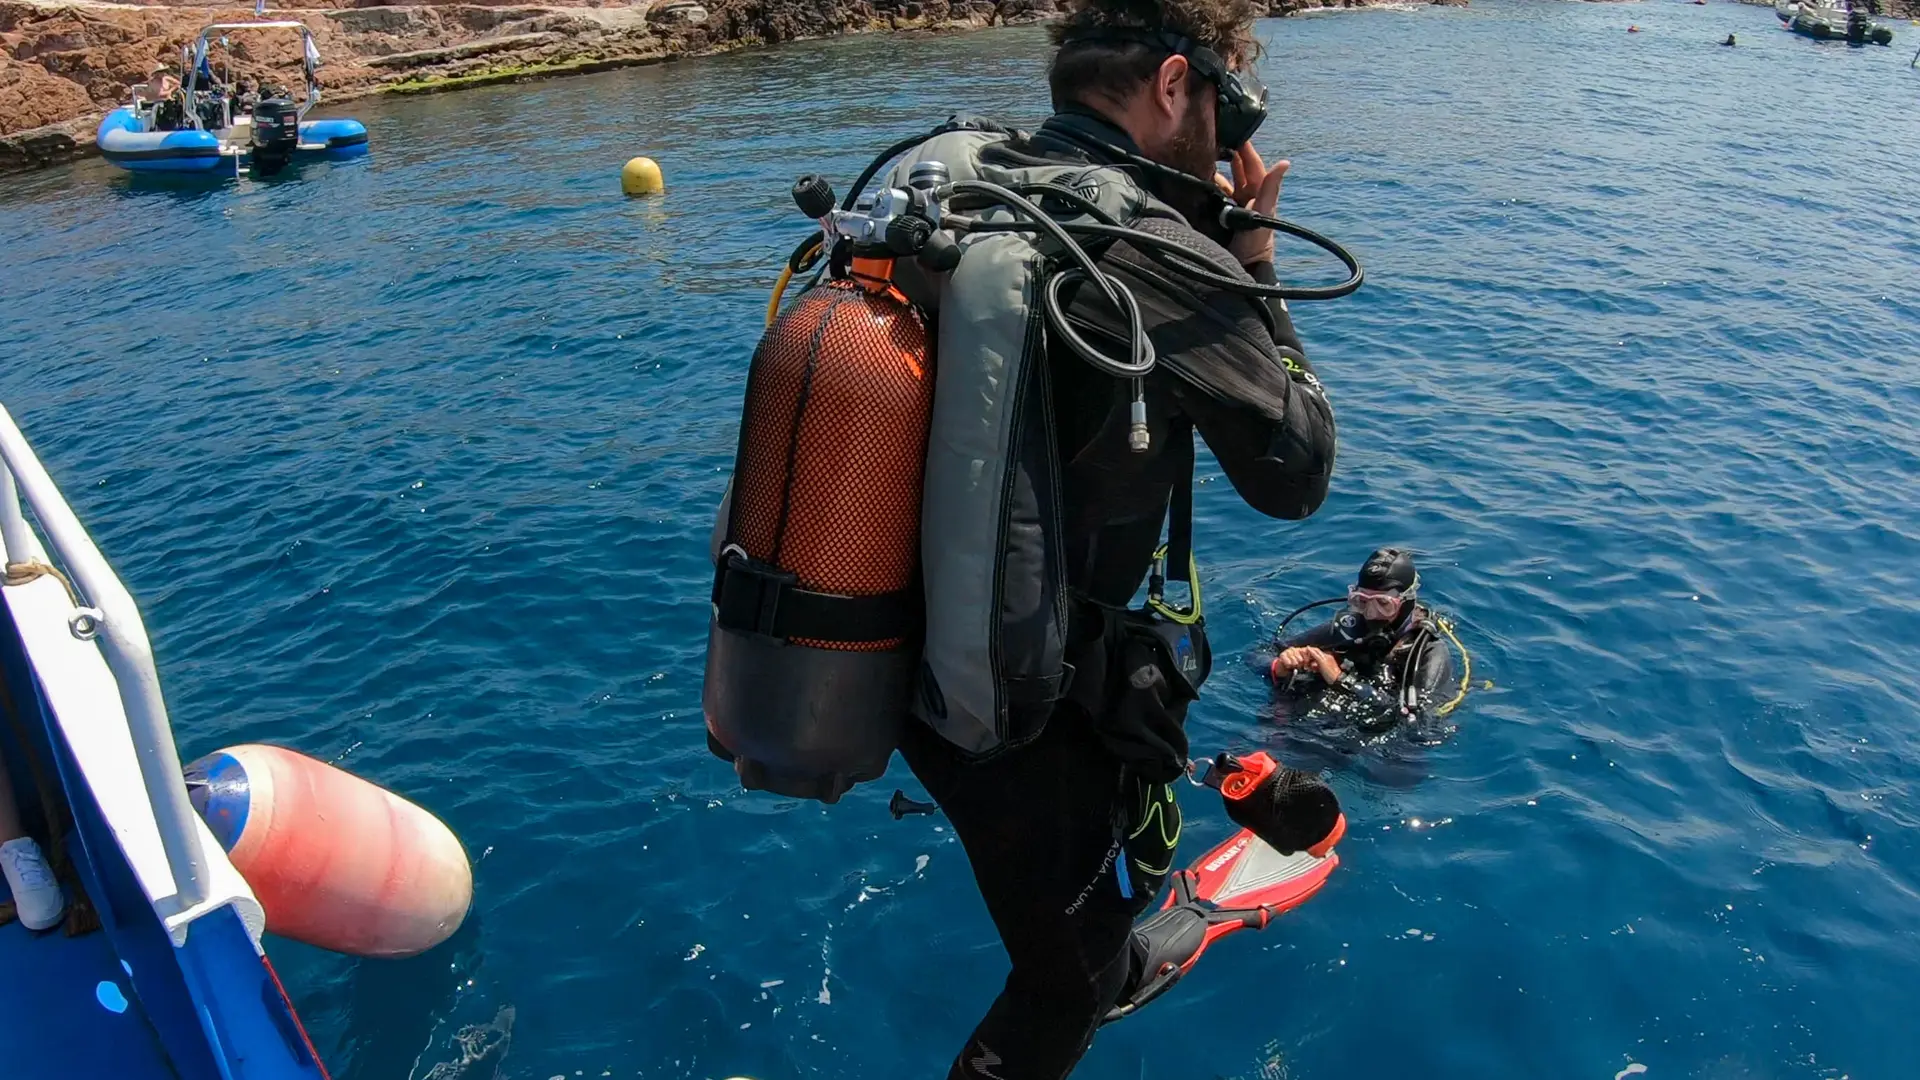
1169, 89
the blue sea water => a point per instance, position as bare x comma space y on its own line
411, 463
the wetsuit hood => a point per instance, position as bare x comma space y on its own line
1389, 569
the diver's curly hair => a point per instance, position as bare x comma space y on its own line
1114, 70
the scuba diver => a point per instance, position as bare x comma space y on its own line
1379, 660
952, 574
1055, 828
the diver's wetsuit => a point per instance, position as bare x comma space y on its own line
1410, 656
1039, 822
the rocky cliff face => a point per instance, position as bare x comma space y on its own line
63, 65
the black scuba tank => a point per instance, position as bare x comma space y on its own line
276, 131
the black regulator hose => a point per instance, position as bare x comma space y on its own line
1141, 360
1231, 218
1237, 219
1303, 609
1185, 261
1356, 276
887, 155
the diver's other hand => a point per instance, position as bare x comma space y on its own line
1307, 658
1256, 187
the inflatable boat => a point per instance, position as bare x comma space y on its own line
210, 125
135, 916
1839, 21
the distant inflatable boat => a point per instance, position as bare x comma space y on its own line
127, 141
1841, 21
214, 126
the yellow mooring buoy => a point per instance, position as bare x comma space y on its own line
641, 176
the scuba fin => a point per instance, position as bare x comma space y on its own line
1282, 854
1240, 885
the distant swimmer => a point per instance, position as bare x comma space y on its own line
1380, 660
1729, 41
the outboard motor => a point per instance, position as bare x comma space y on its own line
1857, 26
276, 131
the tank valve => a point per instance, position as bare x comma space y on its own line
813, 195
927, 175
908, 235
941, 253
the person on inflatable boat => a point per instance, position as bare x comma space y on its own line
1069, 836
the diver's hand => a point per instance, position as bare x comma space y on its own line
1306, 657
1256, 187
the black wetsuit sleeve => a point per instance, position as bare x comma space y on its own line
1256, 401
1284, 335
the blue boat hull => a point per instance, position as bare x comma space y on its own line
124, 142
123, 1001
333, 138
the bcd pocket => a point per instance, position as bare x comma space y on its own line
1158, 671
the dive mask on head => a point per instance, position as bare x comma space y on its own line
1240, 100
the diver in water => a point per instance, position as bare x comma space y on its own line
1072, 834
1382, 653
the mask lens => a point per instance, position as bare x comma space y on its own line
1243, 107
1374, 606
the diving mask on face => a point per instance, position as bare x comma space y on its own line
1240, 101
1240, 106
1375, 605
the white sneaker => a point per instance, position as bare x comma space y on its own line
37, 898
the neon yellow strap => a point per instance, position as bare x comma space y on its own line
1466, 666
1159, 604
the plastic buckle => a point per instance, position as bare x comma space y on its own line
1236, 777
749, 595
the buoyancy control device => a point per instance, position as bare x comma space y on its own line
889, 544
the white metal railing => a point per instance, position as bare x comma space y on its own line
113, 622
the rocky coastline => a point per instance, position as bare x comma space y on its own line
64, 64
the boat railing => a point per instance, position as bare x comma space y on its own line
310, 56
105, 614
